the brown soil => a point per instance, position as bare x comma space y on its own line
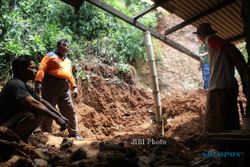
115, 116
177, 72
113, 113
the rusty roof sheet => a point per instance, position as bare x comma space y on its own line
226, 20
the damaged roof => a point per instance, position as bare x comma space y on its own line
223, 15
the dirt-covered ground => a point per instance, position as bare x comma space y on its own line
114, 113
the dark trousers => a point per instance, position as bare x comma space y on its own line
222, 110
56, 92
23, 124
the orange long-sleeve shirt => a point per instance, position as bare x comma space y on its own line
57, 67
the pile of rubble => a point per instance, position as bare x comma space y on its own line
114, 120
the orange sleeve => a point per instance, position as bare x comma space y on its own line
42, 68
72, 82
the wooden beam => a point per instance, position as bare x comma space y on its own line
142, 27
197, 17
234, 138
75, 3
237, 38
149, 9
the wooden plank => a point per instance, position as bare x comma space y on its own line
237, 38
236, 140
142, 27
149, 9
231, 132
75, 3
152, 7
235, 136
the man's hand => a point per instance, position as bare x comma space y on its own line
63, 122
75, 92
38, 87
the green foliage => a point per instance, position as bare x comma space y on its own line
32, 27
243, 50
123, 67
132, 8
81, 75
122, 42
128, 45
28, 30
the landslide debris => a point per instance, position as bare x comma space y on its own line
113, 112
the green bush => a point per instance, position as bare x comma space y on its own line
243, 50
32, 27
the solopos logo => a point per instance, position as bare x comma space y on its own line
215, 154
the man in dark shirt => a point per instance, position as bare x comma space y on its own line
21, 110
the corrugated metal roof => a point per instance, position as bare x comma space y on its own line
226, 21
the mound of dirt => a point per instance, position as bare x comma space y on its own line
107, 105
114, 111
184, 114
114, 120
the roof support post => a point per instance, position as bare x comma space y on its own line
159, 127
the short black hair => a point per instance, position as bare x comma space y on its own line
20, 63
207, 33
58, 44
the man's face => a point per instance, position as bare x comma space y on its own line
63, 48
31, 71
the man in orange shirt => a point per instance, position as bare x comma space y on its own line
54, 80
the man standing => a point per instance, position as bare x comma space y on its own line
21, 110
222, 111
54, 80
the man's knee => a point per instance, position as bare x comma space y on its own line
23, 124
34, 117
